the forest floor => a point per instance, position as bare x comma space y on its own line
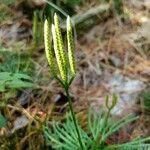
113, 56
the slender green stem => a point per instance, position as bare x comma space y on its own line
73, 117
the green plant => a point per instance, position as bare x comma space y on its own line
69, 135
37, 27
64, 6
10, 80
146, 98
118, 6
66, 65
15, 61
7, 2
100, 128
15, 73
2, 121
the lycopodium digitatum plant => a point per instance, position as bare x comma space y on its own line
66, 71
65, 63
100, 126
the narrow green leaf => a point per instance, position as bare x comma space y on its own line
2, 121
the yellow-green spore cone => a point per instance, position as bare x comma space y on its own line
48, 49
71, 47
60, 42
59, 59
